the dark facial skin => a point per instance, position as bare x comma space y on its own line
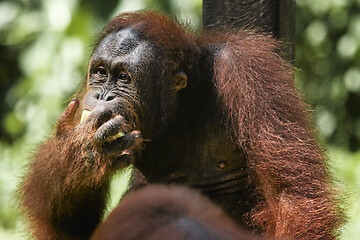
119, 65
127, 75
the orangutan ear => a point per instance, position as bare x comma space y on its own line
180, 81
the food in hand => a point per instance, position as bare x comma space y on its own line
85, 114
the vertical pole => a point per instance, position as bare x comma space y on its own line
276, 17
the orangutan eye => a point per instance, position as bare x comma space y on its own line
101, 71
124, 77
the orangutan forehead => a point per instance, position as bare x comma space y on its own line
123, 42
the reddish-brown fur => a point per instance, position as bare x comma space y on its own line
263, 114
168, 212
270, 122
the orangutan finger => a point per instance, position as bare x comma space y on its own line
99, 115
66, 120
110, 130
119, 145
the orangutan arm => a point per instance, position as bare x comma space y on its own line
64, 192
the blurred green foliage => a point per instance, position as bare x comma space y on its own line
44, 50
328, 59
328, 54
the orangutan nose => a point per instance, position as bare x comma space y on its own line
98, 97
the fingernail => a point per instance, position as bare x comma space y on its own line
126, 152
137, 134
75, 99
